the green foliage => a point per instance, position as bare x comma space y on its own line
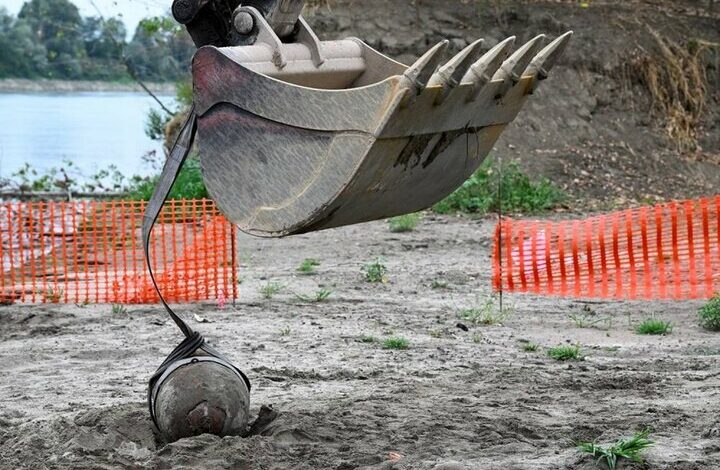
479, 194
530, 347
321, 295
367, 339
485, 312
188, 185
565, 353
160, 49
396, 342
118, 309
404, 223
439, 284
710, 314
653, 326
270, 289
52, 295
375, 271
631, 449
155, 124
308, 266
184, 93
50, 39
588, 318
66, 177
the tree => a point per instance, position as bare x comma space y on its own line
104, 42
160, 49
57, 25
20, 55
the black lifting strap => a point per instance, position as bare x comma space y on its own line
193, 340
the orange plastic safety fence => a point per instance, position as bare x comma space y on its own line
668, 251
91, 252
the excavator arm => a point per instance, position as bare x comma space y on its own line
219, 23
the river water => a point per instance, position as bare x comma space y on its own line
93, 130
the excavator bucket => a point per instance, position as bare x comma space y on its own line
303, 135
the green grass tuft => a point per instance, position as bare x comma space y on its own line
367, 339
565, 353
653, 326
479, 194
588, 318
396, 342
710, 314
321, 295
404, 223
530, 347
118, 309
53, 296
375, 271
270, 289
485, 313
630, 448
308, 266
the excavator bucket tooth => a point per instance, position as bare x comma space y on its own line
482, 71
336, 133
545, 59
511, 70
451, 74
424, 69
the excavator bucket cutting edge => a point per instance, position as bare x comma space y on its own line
307, 135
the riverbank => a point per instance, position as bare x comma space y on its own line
20, 85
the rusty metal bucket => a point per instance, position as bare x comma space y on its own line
309, 135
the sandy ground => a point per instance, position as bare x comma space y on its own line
73, 378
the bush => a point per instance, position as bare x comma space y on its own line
653, 326
710, 314
565, 353
404, 223
479, 194
189, 184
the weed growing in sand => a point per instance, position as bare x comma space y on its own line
710, 314
565, 353
588, 318
396, 342
435, 333
52, 295
653, 326
367, 339
485, 313
631, 449
320, 296
308, 266
118, 309
375, 271
285, 331
439, 284
270, 289
530, 347
404, 223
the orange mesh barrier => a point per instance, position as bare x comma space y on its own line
91, 251
669, 251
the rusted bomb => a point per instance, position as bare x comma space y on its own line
200, 394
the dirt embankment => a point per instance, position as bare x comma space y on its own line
632, 112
